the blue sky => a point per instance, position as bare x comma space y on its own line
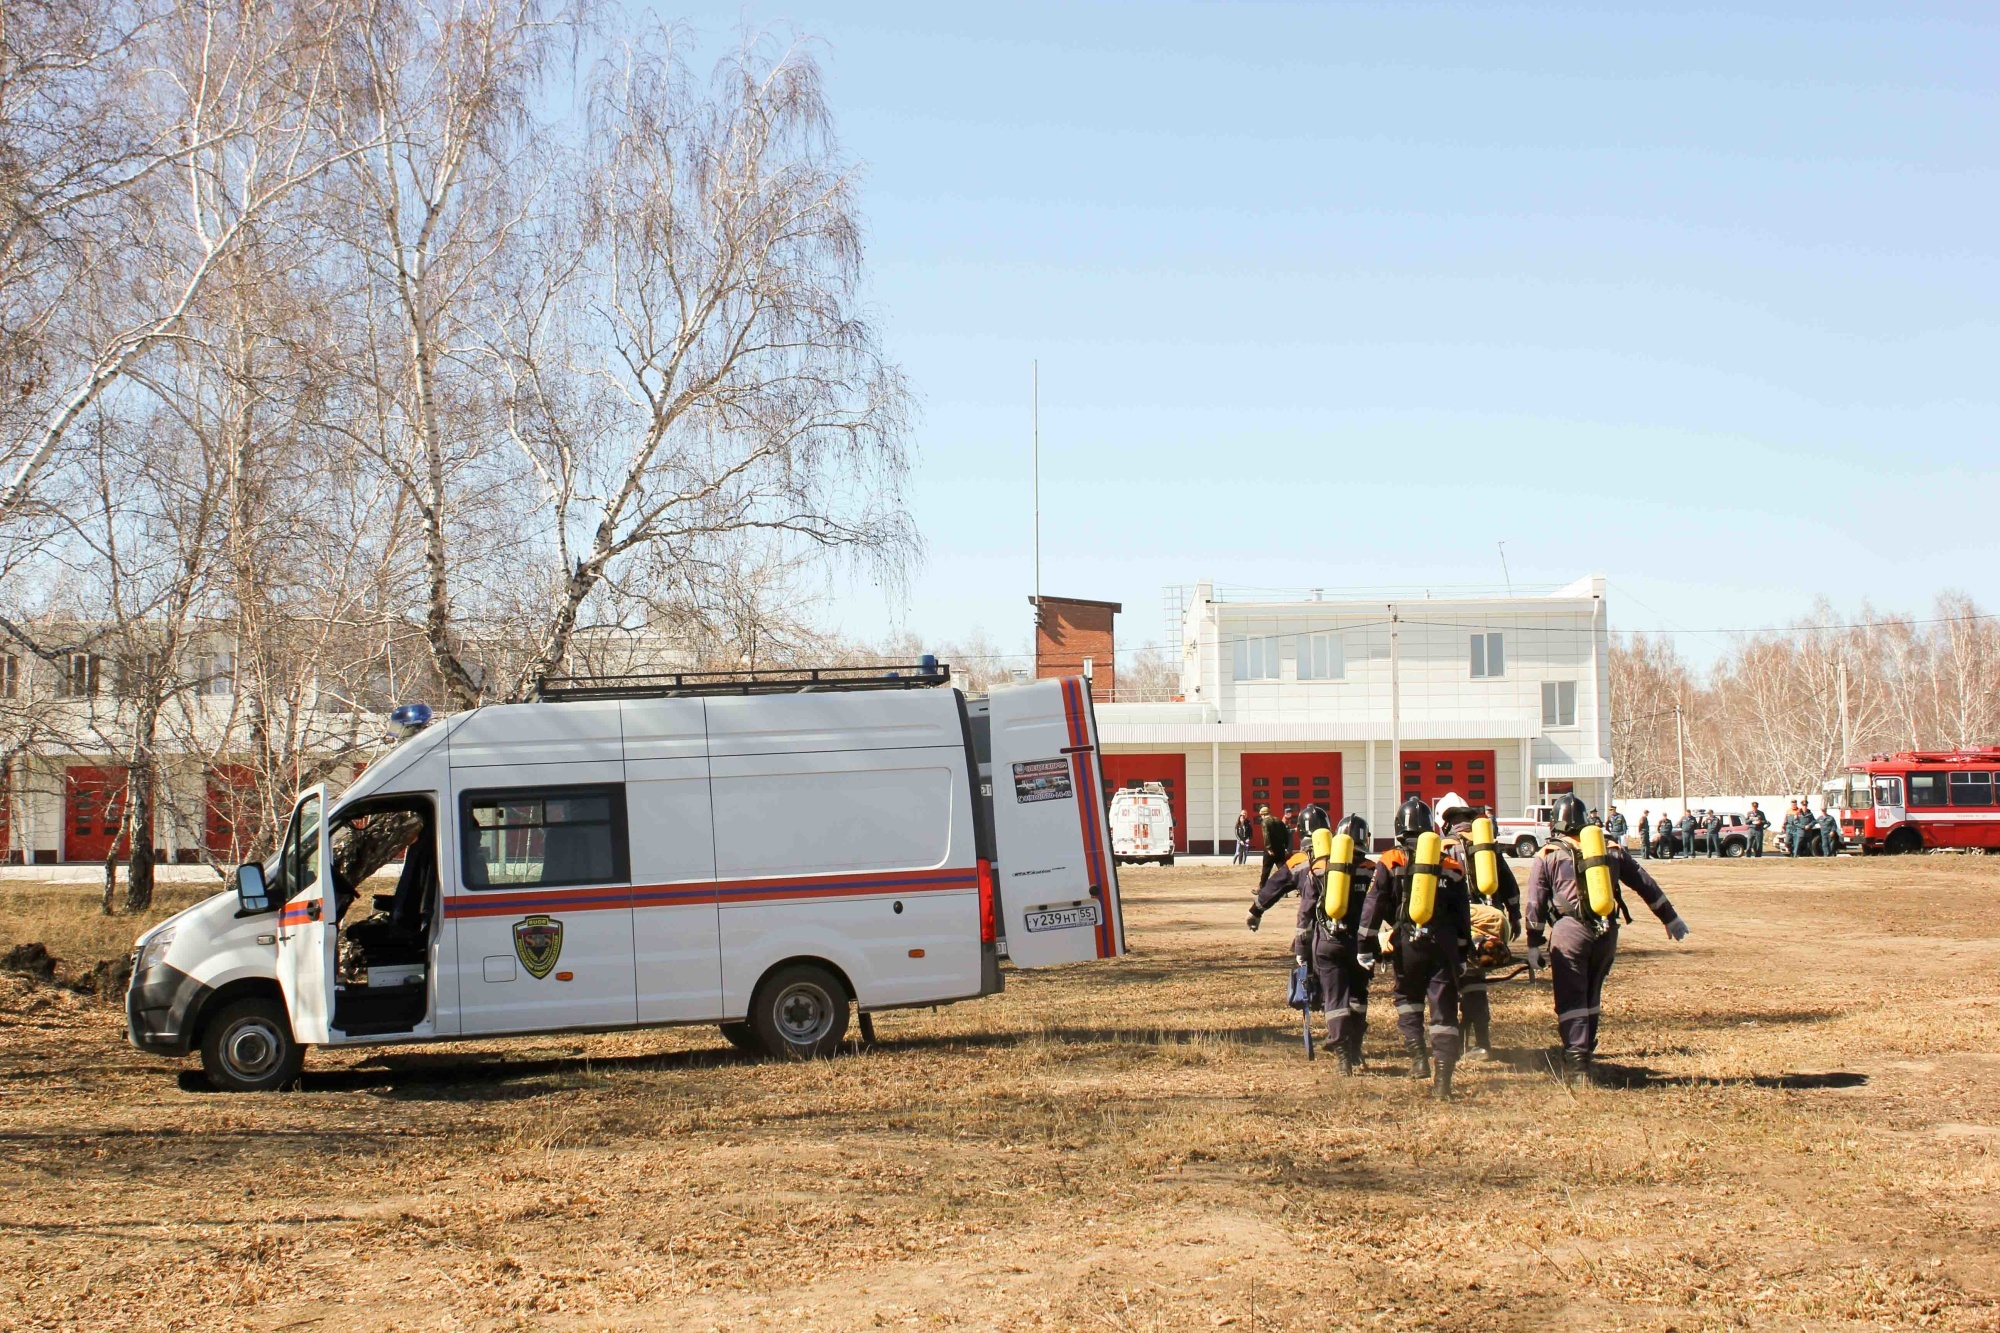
1342, 296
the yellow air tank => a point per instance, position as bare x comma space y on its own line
1424, 867
1322, 844
1339, 877
1597, 871
1485, 858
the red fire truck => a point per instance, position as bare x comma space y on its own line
1920, 799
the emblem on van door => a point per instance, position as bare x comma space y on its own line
538, 943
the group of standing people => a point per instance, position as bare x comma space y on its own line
1806, 836
1437, 966
1697, 830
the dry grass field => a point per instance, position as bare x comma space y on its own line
1807, 1136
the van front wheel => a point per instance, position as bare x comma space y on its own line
248, 1047
800, 1013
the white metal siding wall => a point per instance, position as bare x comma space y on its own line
1438, 690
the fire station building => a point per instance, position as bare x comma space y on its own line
1356, 704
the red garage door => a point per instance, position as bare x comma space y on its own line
1434, 773
1169, 770
1294, 780
232, 813
93, 807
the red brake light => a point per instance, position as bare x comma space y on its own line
989, 889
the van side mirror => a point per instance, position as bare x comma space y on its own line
252, 894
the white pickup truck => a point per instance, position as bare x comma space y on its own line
1524, 836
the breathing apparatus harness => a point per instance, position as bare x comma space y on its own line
1581, 865
1404, 868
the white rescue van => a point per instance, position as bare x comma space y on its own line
1142, 824
762, 851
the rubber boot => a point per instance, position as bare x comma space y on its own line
1476, 1040
1576, 1066
1343, 1052
1441, 1085
1420, 1060
1354, 1060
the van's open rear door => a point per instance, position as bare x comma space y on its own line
1058, 887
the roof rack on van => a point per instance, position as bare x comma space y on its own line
686, 684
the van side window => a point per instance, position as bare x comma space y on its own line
544, 837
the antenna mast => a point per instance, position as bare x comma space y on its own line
1035, 413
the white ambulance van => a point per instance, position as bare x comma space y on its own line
758, 850
1142, 824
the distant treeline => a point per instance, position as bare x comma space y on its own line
1769, 715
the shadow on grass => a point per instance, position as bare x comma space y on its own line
452, 1077
1548, 1063
476, 1078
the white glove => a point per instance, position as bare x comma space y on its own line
1538, 958
1677, 929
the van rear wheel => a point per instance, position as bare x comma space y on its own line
248, 1047
800, 1013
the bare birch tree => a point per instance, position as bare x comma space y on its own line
621, 357
210, 116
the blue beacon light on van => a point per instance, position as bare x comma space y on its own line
409, 719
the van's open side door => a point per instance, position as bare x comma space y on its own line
1058, 886
308, 922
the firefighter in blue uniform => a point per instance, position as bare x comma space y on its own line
1756, 822
1326, 945
1581, 944
1455, 820
1426, 955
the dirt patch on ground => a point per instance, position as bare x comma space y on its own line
1805, 1135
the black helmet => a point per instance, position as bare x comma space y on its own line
1569, 815
1312, 819
1414, 817
1355, 827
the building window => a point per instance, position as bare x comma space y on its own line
80, 676
222, 675
1489, 656
1257, 658
1559, 703
1321, 657
135, 675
